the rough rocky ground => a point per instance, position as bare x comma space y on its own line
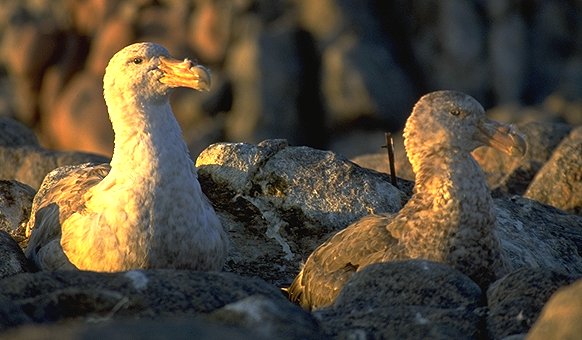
278, 202
336, 84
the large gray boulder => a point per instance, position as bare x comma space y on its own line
406, 299
280, 202
67, 296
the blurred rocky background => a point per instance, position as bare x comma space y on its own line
331, 74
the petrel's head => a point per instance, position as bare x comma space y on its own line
145, 71
456, 121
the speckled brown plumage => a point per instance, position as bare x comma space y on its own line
450, 217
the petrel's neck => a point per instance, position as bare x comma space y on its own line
455, 209
148, 139
450, 194
452, 204
453, 176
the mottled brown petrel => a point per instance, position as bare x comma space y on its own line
450, 216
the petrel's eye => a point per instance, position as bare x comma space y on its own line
455, 112
137, 60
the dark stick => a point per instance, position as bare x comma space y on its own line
390, 148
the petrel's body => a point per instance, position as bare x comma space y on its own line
450, 217
146, 208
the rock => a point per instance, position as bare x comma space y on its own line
273, 83
400, 283
24, 160
379, 161
356, 142
210, 29
242, 66
512, 175
12, 259
449, 46
560, 318
112, 35
361, 80
551, 42
516, 300
25, 100
160, 328
337, 190
166, 25
11, 315
255, 250
29, 165
280, 79
15, 205
403, 322
14, 133
72, 54
405, 299
360, 75
534, 235
522, 114
36, 41
507, 42
48, 297
254, 317
280, 202
87, 16
559, 181
311, 12
567, 108
268, 319
81, 107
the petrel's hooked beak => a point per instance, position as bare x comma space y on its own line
184, 73
504, 137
